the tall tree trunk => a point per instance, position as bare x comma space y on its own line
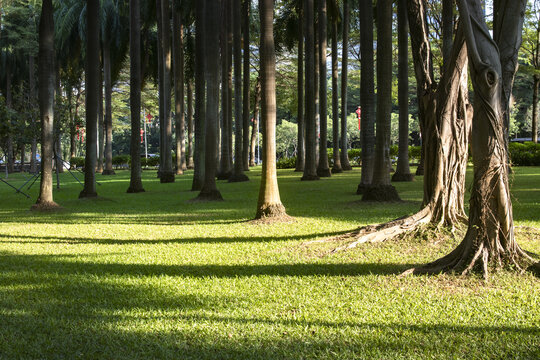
253, 143
536, 86
46, 105
9, 145
92, 97
200, 101
180, 124
381, 189
447, 31
209, 190
161, 95
403, 172
224, 168
323, 169
336, 168
167, 174
246, 107
190, 163
58, 135
367, 95
135, 180
310, 166
300, 152
316, 81
100, 129
345, 164
238, 170
32, 97
269, 204
108, 106
230, 83
489, 241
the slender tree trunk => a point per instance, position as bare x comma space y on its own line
253, 143
238, 170
32, 97
323, 169
336, 168
160, 82
269, 204
310, 167
108, 106
190, 163
300, 151
316, 81
246, 106
100, 129
92, 97
230, 84
180, 124
9, 145
167, 174
345, 165
200, 101
209, 190
380, 189
135, 181
57, 131
536, 86
46, 105
224, 168
403, 172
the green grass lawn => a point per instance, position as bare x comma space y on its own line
153, 276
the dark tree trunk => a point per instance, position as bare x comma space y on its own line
323, 169
200, 101
190, 163
209, 190
32, 97
489, 241
9, 145
108, 170
180, 122
269, 204
46, 105
245, 112
345, 165
403, 172
300, 152
57, 131
310, 166
367, 95
92, 97
380, 189
238, 170
336, 168
160, 88
224, 165
100, 129
167, 173
135, 181
447, 31
253, 143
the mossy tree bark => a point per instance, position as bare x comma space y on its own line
269, 204
46, 105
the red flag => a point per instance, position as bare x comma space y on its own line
359, 113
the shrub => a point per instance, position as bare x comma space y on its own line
77, 161
286, 163
121, 161
527, 154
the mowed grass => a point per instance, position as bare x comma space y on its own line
154, 276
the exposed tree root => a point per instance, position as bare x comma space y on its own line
46, 206
204, 196
381, 193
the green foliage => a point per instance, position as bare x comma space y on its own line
121, 161
527, 154
77, 161
286, 163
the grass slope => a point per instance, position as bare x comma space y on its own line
153, 276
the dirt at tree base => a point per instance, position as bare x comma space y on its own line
397, 177
238, 178
270, 214
108, 172
324, 172
86, 195
48, 206
381, 193
309, 178
166, 177
204, 196
224, 176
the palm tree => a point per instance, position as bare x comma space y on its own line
336, 168
403, 172
92, 97
135, 183
246, 9
269, 204
209, 191
107, 73
238, 169
345, 165
310, 167
178, 54
380, 189
46, 101
300, 153
323, 170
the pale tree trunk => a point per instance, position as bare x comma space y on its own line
381, 189
108, 170
180, 121
310, 166
92, 97
135, 181
345, 165
246, 7
300, 152
253, 143
269, 205
224, 165
46, 105
323, 169
167, 173
403, 172
200, 102
367, 95
209, 190
238, 169
336, 168
190, 163
489, 241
